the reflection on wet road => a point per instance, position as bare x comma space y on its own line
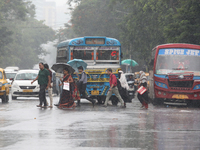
23, 126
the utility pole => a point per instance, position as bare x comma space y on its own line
130, 65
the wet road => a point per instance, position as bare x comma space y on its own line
23, 126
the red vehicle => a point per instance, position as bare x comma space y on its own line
176, 73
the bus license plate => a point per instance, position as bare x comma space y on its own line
94, 92
28, 91
180, 96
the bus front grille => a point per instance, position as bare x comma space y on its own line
187, 84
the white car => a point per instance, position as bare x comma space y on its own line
10, 75
22, 87
14, 68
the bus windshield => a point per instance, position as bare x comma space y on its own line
178, 60
100, 54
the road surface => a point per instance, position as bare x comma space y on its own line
23, 126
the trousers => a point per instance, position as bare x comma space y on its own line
42, 95
50, 94
82, 88
116, 92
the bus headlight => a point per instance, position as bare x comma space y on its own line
1, 84
196, 87
162, 85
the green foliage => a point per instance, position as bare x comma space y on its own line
21, 35
140, 25
185, 27
93, 17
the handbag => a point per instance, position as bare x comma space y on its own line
66, 86
141, 90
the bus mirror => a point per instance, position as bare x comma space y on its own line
121, 55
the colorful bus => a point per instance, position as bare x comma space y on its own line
176, 73
99, 53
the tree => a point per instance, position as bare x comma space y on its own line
185, 24
21, 35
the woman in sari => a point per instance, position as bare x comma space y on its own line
67, 97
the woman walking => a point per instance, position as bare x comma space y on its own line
144, 99
67, 97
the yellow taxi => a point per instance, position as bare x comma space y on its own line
4, 87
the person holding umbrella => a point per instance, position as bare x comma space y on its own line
67, 99
82, 85
74, 92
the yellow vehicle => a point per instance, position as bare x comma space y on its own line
4, 87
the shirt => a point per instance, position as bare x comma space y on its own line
113, 80
43, 77
83, 77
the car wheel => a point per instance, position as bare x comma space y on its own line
7, 98
14, 97
4, 98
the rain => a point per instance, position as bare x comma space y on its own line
93, 75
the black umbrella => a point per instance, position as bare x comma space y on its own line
58, 67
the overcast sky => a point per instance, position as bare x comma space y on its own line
59, 2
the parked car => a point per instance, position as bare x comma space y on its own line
4, 88
10, 75
13, 68
22, 87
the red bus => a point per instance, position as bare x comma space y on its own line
176, 73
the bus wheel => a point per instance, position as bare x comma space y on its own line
158, 101
99, 100
114, 100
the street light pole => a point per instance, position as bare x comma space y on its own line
130, 65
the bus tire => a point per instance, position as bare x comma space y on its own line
114, 100
157, 101
100, 100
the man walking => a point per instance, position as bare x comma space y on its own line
44, 82
82, 86
113, 89
50, 89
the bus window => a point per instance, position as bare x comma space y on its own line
108, 55
62, 55
83, 54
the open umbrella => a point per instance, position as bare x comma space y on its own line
130, 62
75, 63
58, 67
